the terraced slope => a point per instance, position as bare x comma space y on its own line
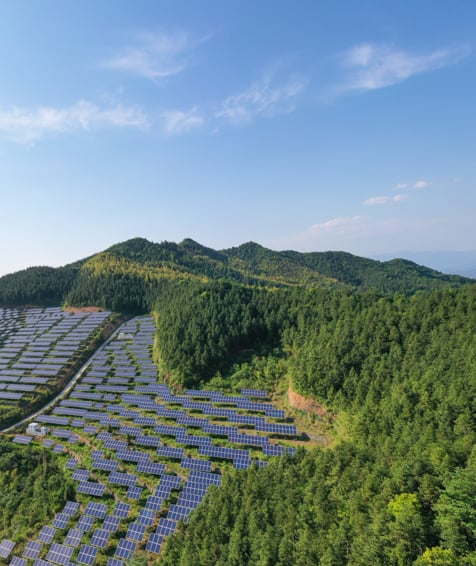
40, 349
142, 457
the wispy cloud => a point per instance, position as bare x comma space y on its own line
262, 98
386, 199
421, 184
364, 235
179, 122
24, 125
370, 66
154, 55
338, 225
320, 236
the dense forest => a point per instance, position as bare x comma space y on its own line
32, 488
398, 486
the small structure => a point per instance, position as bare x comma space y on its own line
37, 430
124, 336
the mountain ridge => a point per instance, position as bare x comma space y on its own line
133, 270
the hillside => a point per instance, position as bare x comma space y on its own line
129, 276
396, 488
385, 349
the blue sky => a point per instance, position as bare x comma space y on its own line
307, 125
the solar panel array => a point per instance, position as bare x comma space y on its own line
157, 453
37, 346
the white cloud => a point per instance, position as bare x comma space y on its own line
385, 199
23, 125
337, 225
261, 99
421, 184
179, 122
154, 56
377, 66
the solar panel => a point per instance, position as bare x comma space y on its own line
134, 492
61, 520
120, 478
273, 450
115, 562
136, 532
178, 512
205, 477
173, 481
85, 523
17, 561
147, 440
248, 439
47, 534
71, 464
196, 464
97, 510
125, 549
169, 430
146, 517
154, 544
111, 523
131, 455
60, 554
154, 468
87, 554
191, 496
73, 538
121, 510
22, 439
100, 538
288, 430
166, 527
32, 549
6, 546
81, 475
241, 464
91, 488
104, 464
154, 503
170, 452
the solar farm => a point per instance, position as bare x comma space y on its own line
142, 457
39, 348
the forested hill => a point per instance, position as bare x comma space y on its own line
397, 487
130, 275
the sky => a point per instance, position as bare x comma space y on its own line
307, 125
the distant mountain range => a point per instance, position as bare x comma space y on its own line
127, 275
456, 262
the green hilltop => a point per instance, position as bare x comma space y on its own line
129, 275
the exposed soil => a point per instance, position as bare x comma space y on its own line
308, 405
76, 310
